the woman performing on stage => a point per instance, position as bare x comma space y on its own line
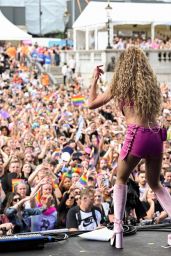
134, 89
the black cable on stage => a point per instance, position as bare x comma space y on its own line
158, 230
166, 226
128, 229
131, 230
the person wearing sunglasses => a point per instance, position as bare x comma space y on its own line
18, 215
67, 202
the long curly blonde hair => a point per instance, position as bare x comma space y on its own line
135, 81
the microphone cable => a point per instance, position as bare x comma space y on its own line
129, 230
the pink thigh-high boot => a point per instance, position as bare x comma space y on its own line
164, 199
119, 200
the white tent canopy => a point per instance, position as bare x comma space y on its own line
50, 20
124, 13
9, 31
87, 34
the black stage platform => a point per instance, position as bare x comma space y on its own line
143, 243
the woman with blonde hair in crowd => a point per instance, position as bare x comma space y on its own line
154, 211
103, 206
135, 91
45, 188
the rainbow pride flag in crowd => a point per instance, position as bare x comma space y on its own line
78, 100
55, 184
66, 174
76, 170
15, 182
83, 180
38, 197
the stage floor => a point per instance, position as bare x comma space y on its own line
143, 243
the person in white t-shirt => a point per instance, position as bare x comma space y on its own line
67, 73
85, 216
72, 64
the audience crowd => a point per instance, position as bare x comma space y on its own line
121, 43
58, 159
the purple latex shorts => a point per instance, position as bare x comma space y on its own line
142, 142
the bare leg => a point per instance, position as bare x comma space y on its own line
153, 177
120, 193
125, 167
153, 169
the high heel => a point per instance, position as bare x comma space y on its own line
119, 200
117, 239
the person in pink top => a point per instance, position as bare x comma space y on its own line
135, 91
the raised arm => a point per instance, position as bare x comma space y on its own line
94, 100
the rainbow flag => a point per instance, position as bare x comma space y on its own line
76, 170
55, 183
38, 197
66, 174
83, 180
15, 182
78, 100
